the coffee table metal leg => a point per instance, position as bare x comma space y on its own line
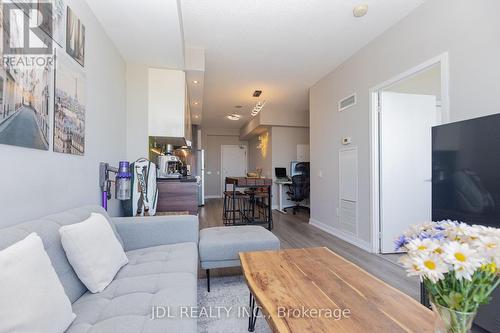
270, 211
250, 317
208, 280
254, 312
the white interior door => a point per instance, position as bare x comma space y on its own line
234, 162
405, 163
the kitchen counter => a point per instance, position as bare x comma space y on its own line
188, 179
177, 195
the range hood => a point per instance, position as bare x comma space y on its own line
174, 141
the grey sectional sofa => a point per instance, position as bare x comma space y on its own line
162, 272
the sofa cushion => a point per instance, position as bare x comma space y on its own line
126, 305
225, 243
181, 257
48, 230
32, 298
158, 276
93, 251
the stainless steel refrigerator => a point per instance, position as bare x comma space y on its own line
200, 172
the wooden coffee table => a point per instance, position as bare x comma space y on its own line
316, 290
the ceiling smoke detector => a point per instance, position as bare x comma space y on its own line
360, 10
233, 116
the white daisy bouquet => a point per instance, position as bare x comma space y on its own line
459, 264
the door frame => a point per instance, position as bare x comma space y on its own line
443, 61
222, 180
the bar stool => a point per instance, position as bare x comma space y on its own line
254, 205
261, 203
230, 215
248, 205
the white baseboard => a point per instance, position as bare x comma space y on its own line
345, 236
213, 197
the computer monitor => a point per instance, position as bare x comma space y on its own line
280, 172
292, 169
294, 172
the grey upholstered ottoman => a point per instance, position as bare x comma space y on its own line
219, 247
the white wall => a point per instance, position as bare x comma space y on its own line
426, 83
279, 148
468, 30
284, 143
166, 102
139, 124
284, 117
261, 158
212, 140
36, 183
137, 116
247, 130
268, 118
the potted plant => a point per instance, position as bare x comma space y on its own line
459, 265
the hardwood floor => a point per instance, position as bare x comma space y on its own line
294, 231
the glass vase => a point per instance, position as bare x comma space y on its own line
451, 321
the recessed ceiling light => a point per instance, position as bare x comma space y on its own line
195, 103
233, 116
196, 116
196, 81
360, 10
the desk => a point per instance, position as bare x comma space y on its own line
319, 279
280, 184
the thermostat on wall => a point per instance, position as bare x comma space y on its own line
347, 140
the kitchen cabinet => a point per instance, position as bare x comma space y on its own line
168, 107
188, 124
177, 196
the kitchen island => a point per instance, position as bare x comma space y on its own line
178, 195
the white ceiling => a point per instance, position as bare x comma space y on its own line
279, 46
145, 32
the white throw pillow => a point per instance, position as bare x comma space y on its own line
93, 251
32, 298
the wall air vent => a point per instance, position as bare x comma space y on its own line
347, 102
257, 93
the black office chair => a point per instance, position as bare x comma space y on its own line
300, 187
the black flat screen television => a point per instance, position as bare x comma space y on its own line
466, 171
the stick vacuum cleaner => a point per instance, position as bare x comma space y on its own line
122, 182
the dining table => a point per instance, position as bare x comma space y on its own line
255, 187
